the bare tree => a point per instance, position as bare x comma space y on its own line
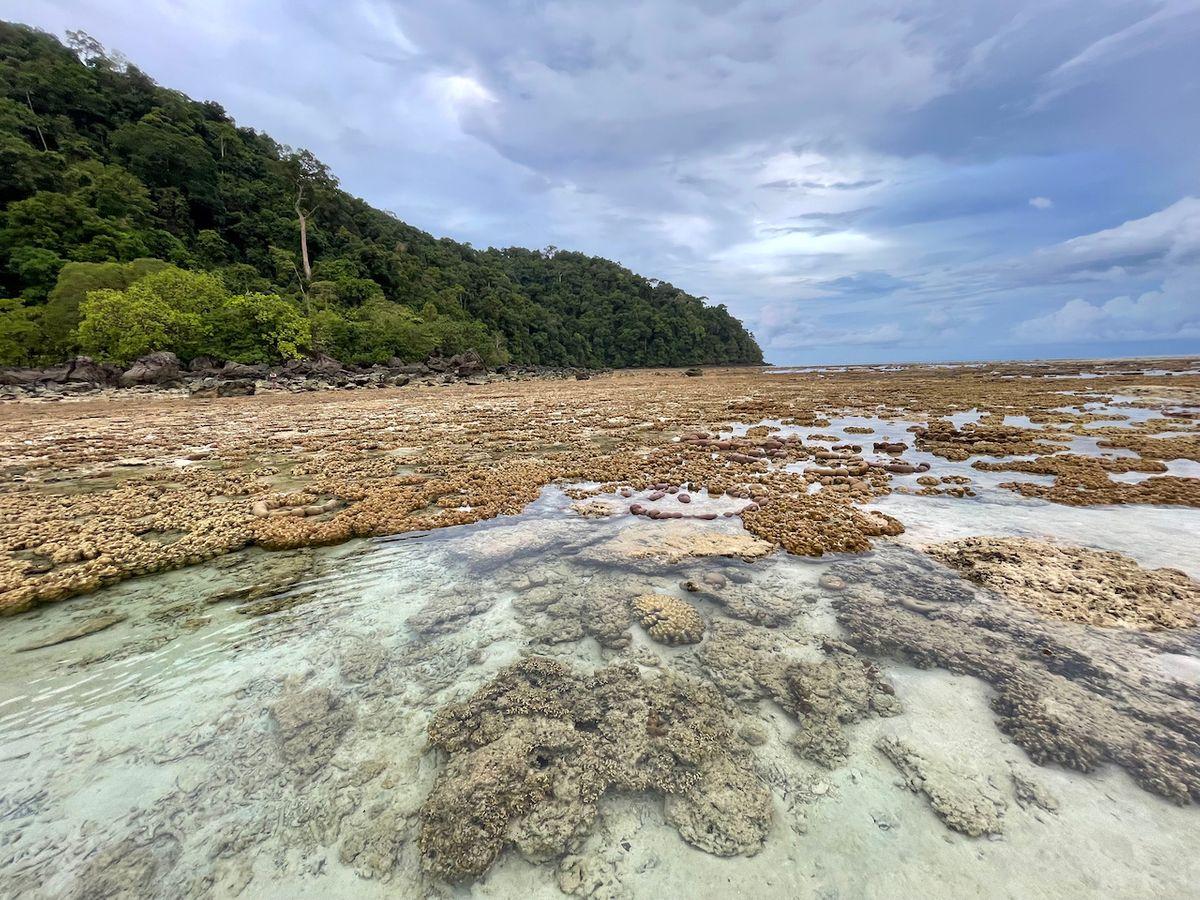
313, 183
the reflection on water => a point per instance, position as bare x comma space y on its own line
257, 726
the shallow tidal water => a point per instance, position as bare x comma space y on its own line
161, 756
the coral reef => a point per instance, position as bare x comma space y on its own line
810, 525
571, 609
533, 751
669, 620
1095, 587
95, 492
966, 804
309, 726
1064, 695
748, 664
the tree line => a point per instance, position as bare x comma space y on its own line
133, 218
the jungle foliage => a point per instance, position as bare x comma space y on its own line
133, 218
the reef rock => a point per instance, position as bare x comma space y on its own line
673, 542
966, 804
1064, 694
309, 727
534, 750
1095, 587
810, 525
823, 697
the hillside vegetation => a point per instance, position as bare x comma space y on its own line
133, 219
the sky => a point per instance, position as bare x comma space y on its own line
857, 181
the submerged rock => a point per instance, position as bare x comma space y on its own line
534, 750
1064, 695
74, 632
672, 543
824, 697
310, 725
965, 803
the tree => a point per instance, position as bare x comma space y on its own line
171, 309
260, 328
312, 183
19, 334
61, 314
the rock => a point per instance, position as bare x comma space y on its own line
18, 377
237, 388
241, 370
466, 364
74, 632
203, 364
87, 370
533, 751
1094, 587
154, 368
317, 364
211, 387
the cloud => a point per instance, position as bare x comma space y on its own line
1169, 236
1171, 313
840, 171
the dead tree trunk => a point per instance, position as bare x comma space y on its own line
302, 216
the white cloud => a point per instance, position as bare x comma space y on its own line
1041, 202
1169, 237
1169, 313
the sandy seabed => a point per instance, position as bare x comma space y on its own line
859, 632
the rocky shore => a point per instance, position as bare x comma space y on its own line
206, 378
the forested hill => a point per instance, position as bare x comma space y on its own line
133, 218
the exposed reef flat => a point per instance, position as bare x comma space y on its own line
754, 633
99, 491
1075, 583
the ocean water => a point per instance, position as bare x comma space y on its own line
258, 726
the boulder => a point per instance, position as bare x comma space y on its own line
213, 387
86, 370
236, 388
317, 364
418, 369
466, 364
153, 368
242, 370
21, 377
203, 364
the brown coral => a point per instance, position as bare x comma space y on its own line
1095, 587
534, 750
669, 620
